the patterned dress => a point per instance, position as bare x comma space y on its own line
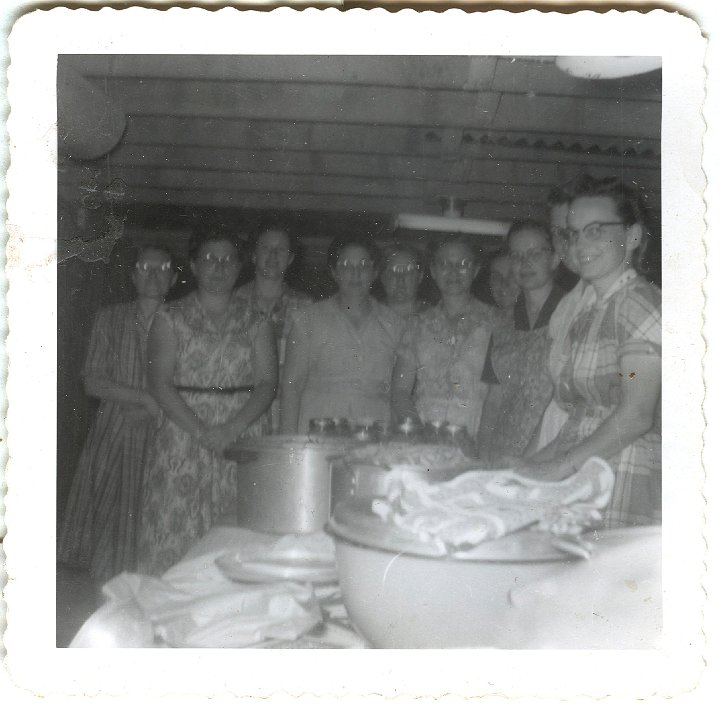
188, 487
448, 354
627, 320
517, 361
349, 369
289, 301
100, 521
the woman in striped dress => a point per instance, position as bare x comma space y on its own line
100, 520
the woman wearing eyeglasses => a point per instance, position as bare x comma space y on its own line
401, 273
515, 369
212, 368
437, 375
340, 351
610, 370
99, 525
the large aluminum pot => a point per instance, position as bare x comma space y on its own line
284, 482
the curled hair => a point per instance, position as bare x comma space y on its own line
397, 247
361, 241
629, 201
275, 225
211, 234
528, 225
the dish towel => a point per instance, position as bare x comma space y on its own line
484, 505
195, 605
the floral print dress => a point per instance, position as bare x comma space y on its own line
448, 354
188, 487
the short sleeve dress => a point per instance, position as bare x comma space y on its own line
290, 301
448, 355
627, 320
187, 486
100, 521
517, 361
349, 369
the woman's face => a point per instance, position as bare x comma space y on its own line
454, 269
153, 275
217, 267
598, 240
558, 226
401, 278
532, 259
503, 287
354, 271
272, 255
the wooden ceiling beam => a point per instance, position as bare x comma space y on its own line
304, 102
469, 170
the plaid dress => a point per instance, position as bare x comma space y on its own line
626, 321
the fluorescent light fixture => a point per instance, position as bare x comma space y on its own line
452, 224
607, 67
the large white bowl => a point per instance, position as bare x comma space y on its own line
398, 598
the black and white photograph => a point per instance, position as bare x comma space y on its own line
366, 350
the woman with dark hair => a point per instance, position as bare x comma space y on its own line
212, 368
609, 377
273, 250
100, 522
515, 369
401, 272
437, 376
503, 288
340, 351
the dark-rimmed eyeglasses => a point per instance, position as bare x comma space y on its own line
462, 266
403, 269
529, 256
220, 260
591, 232
363, 265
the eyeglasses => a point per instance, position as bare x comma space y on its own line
403, 269
150, 267
530, 256
591, 232
220, 261
462, 266
362, 266
276, 250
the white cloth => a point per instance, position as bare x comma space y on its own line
195, 605
611, 601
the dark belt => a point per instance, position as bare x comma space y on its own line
217, 391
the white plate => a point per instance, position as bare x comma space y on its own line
269, 569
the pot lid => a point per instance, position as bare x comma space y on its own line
353, 521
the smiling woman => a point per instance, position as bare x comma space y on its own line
212, 368
610, 374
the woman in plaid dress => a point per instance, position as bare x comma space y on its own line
610, 374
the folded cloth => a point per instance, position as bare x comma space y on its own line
195, 605
484, 505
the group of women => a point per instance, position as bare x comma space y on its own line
543, 381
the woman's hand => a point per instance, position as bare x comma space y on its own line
219, 437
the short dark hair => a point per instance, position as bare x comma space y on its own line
276, 225
629, 201
527, 225
456, 239
202, 235
359, 240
